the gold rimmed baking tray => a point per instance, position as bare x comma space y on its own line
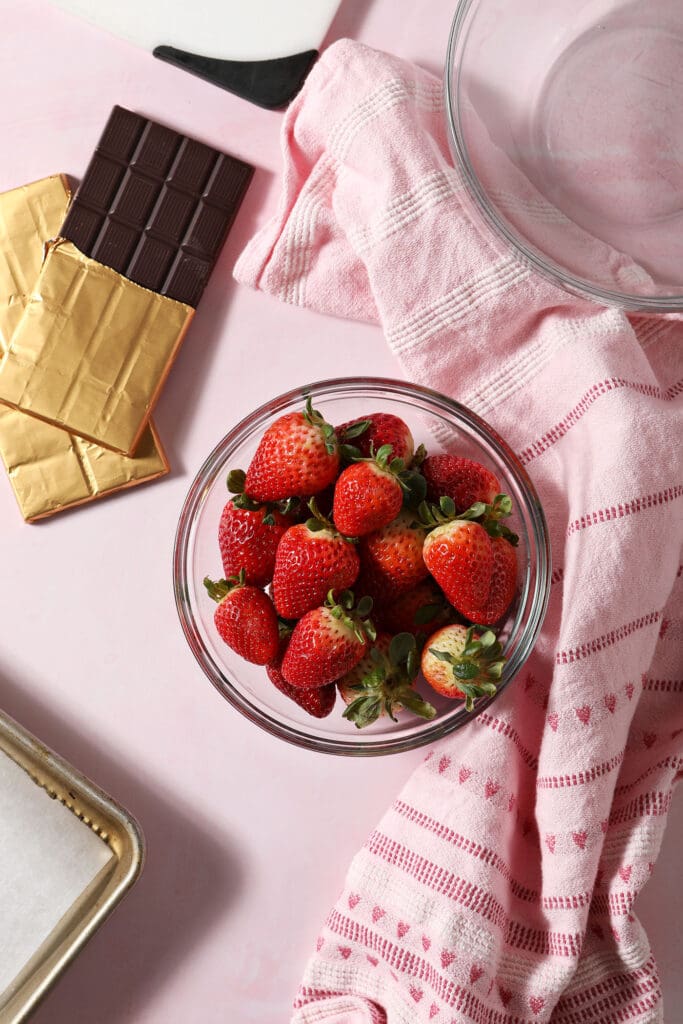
112, 824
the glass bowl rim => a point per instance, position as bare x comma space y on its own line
204, 480
529, 254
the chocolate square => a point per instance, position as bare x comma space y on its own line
156, 206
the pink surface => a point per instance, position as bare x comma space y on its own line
248, 839
502, 882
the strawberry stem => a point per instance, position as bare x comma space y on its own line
319, 521
388, 687
218, 589
245, 502
356, 619
479, 668
488, 516
316, 419
413, 484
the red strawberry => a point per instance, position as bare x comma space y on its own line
382, 683
459, 555
368, 495
327, 642
297, 455
245, 619
392, 557
421, 610
311, 560
370, 433
460, 662
463, 480
248, 539
318, 701
503, 585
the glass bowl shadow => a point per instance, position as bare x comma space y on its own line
442, 425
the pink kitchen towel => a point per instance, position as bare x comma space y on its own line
500, 887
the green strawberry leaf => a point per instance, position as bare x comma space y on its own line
218, 589
400, 648
441, 655
389, 708
495, 529
465, 670
412, 701
502, 505
245, 502
474, 512
414, 488
363, 711
236, 481
427, 613
349, 452
447, 506
383, 455
419, 456
357, 429
412, 663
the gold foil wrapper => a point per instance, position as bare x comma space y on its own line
92, 350
29, 217
50, 469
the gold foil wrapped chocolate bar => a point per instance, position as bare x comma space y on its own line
92, 350
117, 290
49, 468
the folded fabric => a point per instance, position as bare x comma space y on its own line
500, 886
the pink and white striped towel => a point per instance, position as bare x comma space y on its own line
499, 888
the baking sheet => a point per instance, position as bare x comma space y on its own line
72, 867
48, 858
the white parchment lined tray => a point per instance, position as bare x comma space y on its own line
68, 854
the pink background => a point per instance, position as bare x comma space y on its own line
240, 872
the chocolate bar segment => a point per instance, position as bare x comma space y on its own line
156, 206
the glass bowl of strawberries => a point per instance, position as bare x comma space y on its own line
361, 566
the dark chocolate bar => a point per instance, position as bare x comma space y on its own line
156, 206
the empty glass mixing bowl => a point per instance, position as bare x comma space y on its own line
566, 117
